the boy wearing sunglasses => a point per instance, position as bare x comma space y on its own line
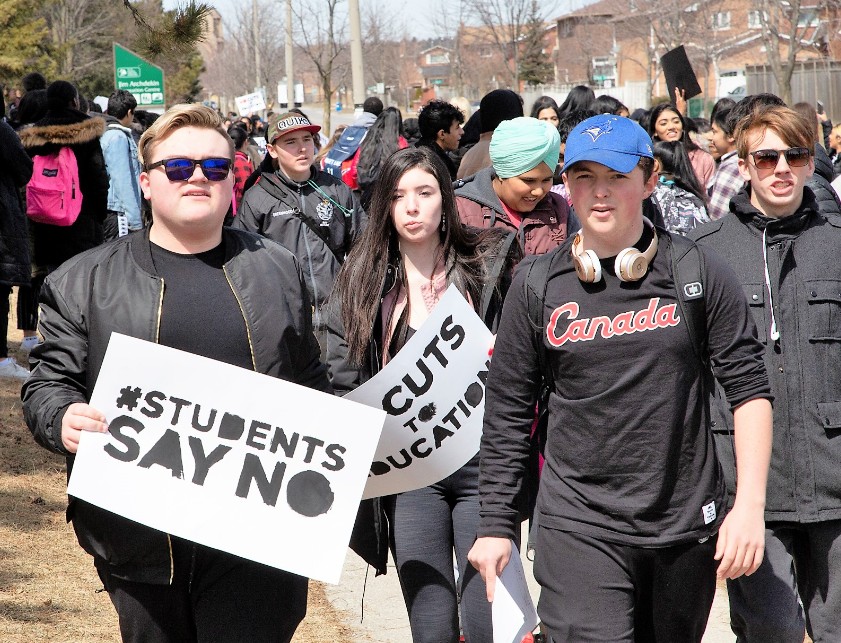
785, 252
188, 283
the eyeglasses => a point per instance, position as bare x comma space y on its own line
182, 169
768, 159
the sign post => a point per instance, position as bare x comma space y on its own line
140, 77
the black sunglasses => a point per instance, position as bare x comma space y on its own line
179, 169
768, 159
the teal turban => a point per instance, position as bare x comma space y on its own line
521, 144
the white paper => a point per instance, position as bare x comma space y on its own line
250, 103
430, 434
512, 609
286, 489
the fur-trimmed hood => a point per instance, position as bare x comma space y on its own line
60, 132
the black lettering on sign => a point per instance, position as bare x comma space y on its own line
449, 331
309, 494
407, 460
332, 452
416, 450
166, 452
115, 428
432, 349
179, 404
379, 468
258, 431
415, 388
427, 412
211, 418
153, 408
388, 403
474, 394
312, 443
280, 440
252, 469
440, 434
231, 427
204, 462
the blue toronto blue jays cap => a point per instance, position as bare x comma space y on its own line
614, 141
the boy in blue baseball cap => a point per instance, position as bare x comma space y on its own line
626, 320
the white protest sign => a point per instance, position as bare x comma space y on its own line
226, 457
512, 611
250, 103
434, 394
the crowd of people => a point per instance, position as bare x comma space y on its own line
661, 291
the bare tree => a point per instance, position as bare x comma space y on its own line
504, 25
232, 72
321, 37
381, 46
791, 27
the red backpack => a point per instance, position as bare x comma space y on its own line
52, 194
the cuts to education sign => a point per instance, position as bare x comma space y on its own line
138, 76
238, 461
434, 394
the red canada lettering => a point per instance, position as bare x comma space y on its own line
583, 330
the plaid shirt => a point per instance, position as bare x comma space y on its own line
242, 170
724, 185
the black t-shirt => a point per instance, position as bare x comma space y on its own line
629, 453
200, 313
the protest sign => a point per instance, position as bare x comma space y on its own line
434, 394
238, 461
250, 103
512, 611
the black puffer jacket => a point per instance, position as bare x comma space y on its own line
827, 200
114, 288
15, 172
53, 245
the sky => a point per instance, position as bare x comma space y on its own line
421, 25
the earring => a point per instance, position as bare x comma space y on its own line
443, 224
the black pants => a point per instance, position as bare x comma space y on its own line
597, 591
214, 597
426, 525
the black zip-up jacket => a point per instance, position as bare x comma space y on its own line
114, 288
316, 224
804, 366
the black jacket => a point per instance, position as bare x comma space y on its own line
15, 172
819, 183
53, 245
114, 288
317, 221
804, 366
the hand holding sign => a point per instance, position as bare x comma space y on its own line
77, 418
434, 394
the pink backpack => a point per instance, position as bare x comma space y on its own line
52, 194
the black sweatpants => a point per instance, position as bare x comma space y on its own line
214, 597
597, 591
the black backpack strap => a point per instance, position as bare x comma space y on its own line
492, 281
265, 181
537, 279
688, 272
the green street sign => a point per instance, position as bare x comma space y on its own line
140, 77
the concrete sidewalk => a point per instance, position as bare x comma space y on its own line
382, 617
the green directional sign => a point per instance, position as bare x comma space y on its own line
140, 77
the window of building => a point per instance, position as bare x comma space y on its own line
721, 20
754, 20
566, 28
439, 58
807, 18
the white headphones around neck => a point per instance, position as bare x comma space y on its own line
630, 264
